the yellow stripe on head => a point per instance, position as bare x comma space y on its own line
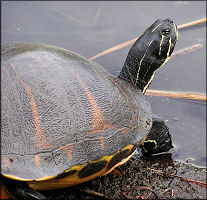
156, 27
176, 31
161, 44
168, 57
140, 63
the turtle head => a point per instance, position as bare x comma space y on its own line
149, 53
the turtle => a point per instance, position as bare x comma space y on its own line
65, 120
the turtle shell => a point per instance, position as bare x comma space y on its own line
60, 110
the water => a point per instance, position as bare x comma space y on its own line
91, 27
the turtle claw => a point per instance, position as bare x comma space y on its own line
159, 139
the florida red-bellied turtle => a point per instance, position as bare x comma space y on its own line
65, 120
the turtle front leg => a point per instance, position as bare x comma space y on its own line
20, 190
158, 140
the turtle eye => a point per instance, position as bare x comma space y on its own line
166, 31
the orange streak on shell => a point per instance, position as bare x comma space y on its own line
70, 155
39, 137
124, 131
69, 151
68, 147
37, 160
6, 161
99, 124
6, 70
101, 140
126, 97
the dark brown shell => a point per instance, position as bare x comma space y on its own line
60, 110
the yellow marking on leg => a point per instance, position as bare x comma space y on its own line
152, 141
140, 63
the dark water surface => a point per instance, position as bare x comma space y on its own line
91, 27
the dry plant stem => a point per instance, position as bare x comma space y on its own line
69, 17
148, 195
149, 189
178, 95
167, 190
180, 177
97, 16
186, 50
192, 23
117, 47
117, 172
97, 194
